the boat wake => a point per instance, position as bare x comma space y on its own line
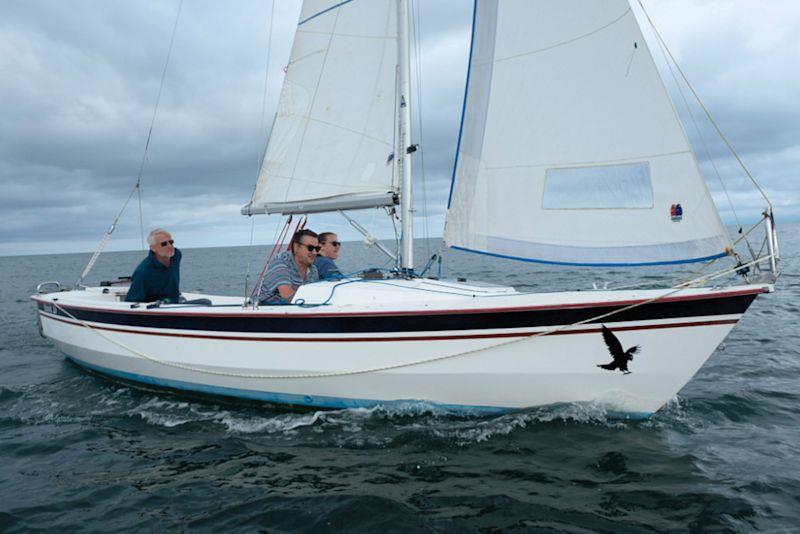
382, 426
379, 426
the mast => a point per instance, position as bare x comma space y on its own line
403, 139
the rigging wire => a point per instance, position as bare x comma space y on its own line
137, 188
141, 215
700, 135
262, 151
418, 68
705, 110
106, 237
670, 61
277, 241
249, 256
392, 212
153, 119
706, 265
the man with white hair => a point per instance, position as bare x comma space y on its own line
158, 275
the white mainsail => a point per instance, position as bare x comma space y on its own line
332, 141
570, 149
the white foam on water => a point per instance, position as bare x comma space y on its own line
285, 423
162, 420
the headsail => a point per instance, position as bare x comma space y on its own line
570, 149
332, 141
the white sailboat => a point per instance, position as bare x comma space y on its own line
570, 152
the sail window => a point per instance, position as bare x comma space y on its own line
623, 186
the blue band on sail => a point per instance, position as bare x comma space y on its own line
315, 15
598, 264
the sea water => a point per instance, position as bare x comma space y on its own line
82, 453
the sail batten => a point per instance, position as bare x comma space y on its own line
570, 149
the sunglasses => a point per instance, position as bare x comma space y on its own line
165, 243
336, 243
311, 248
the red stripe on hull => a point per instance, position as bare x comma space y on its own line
404, 338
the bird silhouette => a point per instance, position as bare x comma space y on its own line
621, 357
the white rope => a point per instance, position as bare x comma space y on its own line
523, 337
696, 272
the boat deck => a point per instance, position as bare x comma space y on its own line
387, 296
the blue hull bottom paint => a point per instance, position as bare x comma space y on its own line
307, 401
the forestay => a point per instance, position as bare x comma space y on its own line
332, 141
570, 149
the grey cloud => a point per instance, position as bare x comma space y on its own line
80, 78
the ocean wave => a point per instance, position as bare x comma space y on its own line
385, 425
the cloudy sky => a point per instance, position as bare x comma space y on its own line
79, 81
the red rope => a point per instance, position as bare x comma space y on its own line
276, 246
300, 225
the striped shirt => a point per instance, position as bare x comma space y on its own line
282, 271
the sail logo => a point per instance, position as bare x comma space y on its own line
676, 212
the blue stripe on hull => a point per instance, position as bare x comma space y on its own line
335, 403
316, 401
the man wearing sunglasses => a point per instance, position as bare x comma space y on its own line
329, 251
288, 271
158, 275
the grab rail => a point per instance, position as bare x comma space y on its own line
40, 288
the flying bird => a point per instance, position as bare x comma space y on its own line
621, 357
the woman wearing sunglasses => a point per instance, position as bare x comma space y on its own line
329, 250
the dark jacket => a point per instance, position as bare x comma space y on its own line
327, 268
154, 281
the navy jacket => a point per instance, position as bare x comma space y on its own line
327, 268
153, 281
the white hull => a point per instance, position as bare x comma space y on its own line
476, 368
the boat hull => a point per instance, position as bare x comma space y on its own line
491, 356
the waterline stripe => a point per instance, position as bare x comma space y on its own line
316, 401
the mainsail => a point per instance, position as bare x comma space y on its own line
570, 149
331, 145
